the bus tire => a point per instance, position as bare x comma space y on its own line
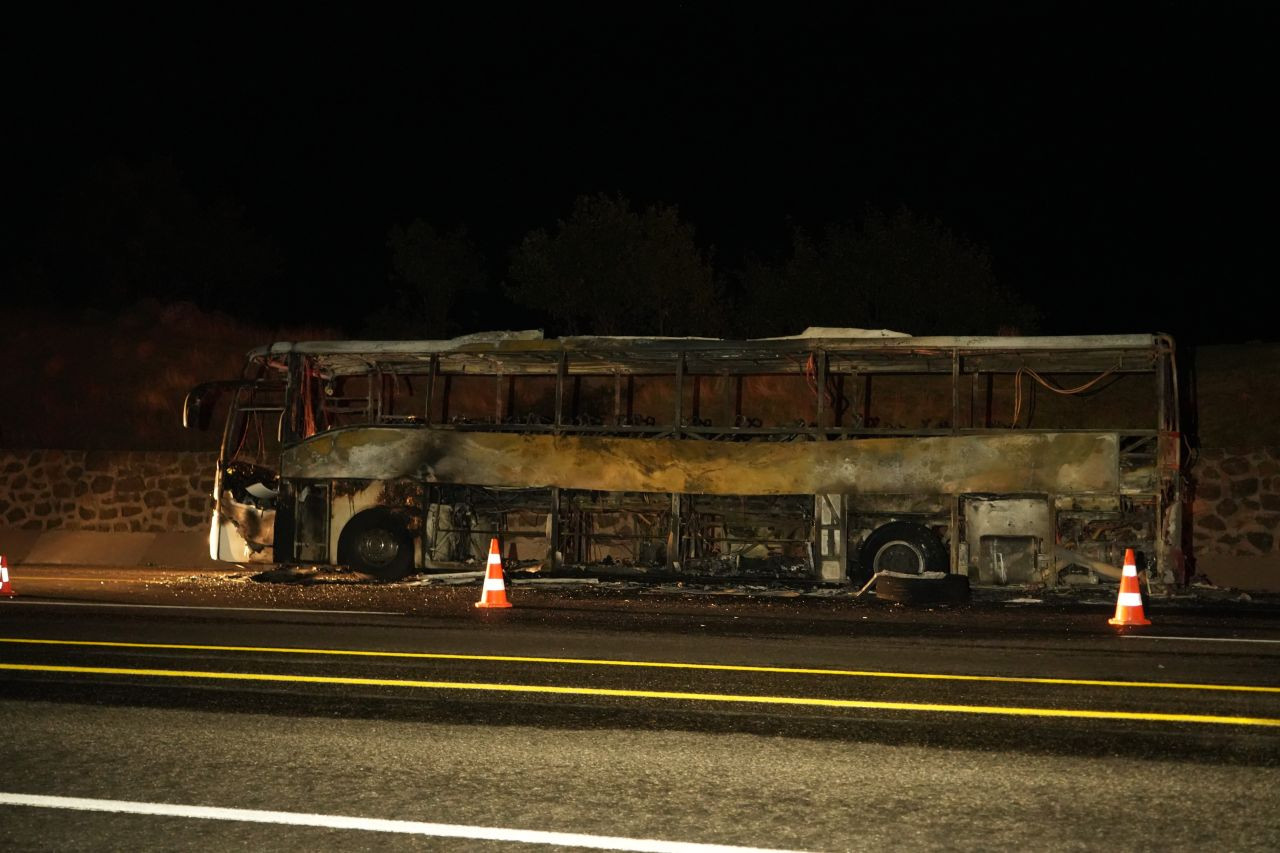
905, 547
377, 543
949, 589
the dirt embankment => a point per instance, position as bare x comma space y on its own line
1234, 395
116, 382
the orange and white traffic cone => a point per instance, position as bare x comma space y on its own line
494, 593
1129, 602
6, 588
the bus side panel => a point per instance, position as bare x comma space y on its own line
1084, 462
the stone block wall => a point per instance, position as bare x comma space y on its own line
110, 491
1235, 508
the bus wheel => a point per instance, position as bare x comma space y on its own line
376, 543
905, 547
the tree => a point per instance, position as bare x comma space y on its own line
896, 271
610, 270
430, 271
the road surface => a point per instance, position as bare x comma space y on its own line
351, 716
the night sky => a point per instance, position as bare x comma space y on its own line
1118, 165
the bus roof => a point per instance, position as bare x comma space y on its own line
512, 348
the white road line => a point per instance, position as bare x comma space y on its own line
409, 827
195, 607
1195, 639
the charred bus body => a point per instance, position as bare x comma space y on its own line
1015, 461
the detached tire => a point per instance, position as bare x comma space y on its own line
905, 547
376, 543
948, 589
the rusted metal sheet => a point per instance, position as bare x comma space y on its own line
1026, 462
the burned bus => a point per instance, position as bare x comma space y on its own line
825, 457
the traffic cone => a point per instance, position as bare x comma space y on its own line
6, 588
494, 593
1129, 602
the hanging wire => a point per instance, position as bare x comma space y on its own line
1017, 388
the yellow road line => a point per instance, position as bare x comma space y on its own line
1013, 711
777, 670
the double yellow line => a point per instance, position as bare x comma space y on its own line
653, 694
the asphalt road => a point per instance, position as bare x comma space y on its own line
624, 715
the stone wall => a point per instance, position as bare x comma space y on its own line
1234, 511
1235, 506
110, 491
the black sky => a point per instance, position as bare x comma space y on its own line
1117, 160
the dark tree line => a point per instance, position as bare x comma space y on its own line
608, 267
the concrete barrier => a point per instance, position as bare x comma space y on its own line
96, 548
